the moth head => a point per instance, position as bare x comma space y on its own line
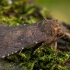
51, 28
57, 28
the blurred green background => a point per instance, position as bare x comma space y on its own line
59, 9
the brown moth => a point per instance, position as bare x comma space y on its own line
16, 38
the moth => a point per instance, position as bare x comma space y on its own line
16, 38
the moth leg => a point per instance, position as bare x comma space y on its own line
39, 45
36, 50
55, 49
21, 50
55, 46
